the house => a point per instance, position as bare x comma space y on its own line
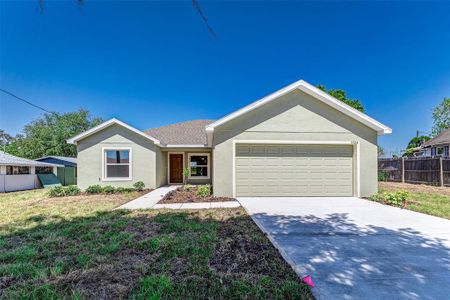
18, 173
297, 141
437, 146
67, 173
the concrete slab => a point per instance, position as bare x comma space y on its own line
148, 200
168, 205
358, 249
225, 204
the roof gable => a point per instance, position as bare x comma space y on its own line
107, 124
184, 133
317, 94
441, 139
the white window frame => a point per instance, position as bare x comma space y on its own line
208, 165
130, 164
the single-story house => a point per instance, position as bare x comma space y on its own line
437, 146
297, 141
17, 174
67, 173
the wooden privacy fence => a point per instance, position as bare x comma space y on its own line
425, 170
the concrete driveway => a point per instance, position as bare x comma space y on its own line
358, 249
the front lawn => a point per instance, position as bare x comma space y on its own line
422, 198
76, 247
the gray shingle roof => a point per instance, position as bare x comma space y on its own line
184, 133
8, 159
440, 139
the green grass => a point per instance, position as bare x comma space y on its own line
76, 248
428, 202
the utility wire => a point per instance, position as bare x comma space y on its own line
26, 101
203, 16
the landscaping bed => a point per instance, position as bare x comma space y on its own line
189, 194
77, 248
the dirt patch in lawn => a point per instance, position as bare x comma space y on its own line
182, 195
413, 188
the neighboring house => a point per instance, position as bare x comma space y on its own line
298, 141
18, 173
67, 174
437, 146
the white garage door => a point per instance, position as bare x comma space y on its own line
294, 170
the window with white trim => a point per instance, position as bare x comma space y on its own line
199, 165
440, 151
117, 164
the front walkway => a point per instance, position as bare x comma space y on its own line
151, 199
358, 249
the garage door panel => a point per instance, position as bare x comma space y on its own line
294, 170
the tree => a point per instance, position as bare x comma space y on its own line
441, 117
5, 139
342, 95
48, 135
417, 141
380, 151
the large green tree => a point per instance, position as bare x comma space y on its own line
47, 135
342, 95
441, 117
417, 141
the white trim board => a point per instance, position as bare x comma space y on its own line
314, 92
356, 157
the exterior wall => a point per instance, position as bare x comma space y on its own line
143, 158
186, 152
297, 117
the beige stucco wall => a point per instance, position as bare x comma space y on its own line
144, 158
297, 117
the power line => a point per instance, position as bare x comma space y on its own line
26, 101
203, 16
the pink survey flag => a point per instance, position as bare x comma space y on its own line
307, 279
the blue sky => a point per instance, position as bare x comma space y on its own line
154, 63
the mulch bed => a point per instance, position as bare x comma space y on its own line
180, 195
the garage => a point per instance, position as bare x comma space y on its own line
293, 170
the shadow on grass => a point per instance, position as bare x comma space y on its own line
348, 261
147, 254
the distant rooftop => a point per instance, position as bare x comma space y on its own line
440, 139
11, 160
65, 158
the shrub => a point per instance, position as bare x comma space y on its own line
61, 191
204, 190
383, 176
139, 186
56, 191
94, 189
125, 190
71, 190
186, 173
108, 189
188, 187
394, 199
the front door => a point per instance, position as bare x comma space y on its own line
175, 168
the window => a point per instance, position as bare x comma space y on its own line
440, 151
44, 170
17, 170
117, 164
199, 165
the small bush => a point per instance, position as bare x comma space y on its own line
383, 176
61, 191
188, 187
125, 190
204, 190
94, 189
71, 190
394, 199
108, 189
56, 191
139, 186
